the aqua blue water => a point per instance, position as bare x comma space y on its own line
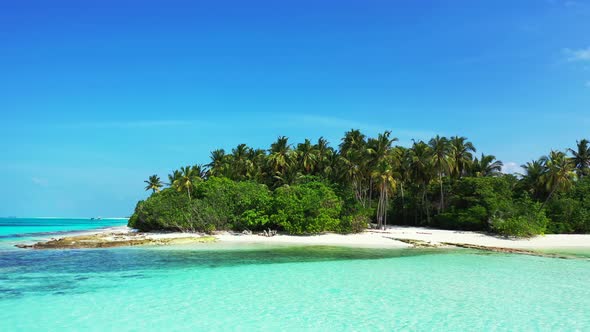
216, 287
29, 229
14, 227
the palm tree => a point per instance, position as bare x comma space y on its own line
176, 174
487, 166
334, 167
403, 169
153, 183
354, 169
289, 177
324, 153
353, 151
352, 140
533, 177
187, 179
378, 149
422, 170
241, 164
218, 164
385, 179
200, 171
461, 152
560, 173
441, 161
307, 156
257, 161
280, 156
581, 158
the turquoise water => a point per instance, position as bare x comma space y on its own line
18, 227
215, 287
13, 230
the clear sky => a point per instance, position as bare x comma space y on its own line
95, 96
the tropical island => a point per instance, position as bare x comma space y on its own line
311, 188
366, 185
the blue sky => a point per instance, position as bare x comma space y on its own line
95, 96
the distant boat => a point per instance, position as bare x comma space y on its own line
97, 218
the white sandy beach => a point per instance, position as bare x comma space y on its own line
376, 238
386, 238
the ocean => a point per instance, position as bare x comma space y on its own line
206, 287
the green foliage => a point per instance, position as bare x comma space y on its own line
475, 201
570, 212
235, 205
312, 207
526, 219
355, 223
472, 218
220, 204
311, 187
167, 210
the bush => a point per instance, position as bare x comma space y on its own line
570, 212
167, 210
218, 204
474, 201
235, 205
355, 223
525, 220
312, 207
473, 218
221, 204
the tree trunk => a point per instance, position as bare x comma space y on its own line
442, 197
379, 213
548, 198
426, 208
403, 203
370, 190
385, 211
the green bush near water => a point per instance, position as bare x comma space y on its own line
223, 204
525, 219
168, 210
570, 212
474, 202
488, 204
308, 208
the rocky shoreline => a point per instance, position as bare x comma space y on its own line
425, 244
111, 240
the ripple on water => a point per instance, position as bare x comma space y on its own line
288, 288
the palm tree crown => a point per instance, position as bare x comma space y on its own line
487, 165
559, 174
154, 183
581, 158
461, 155
441, 161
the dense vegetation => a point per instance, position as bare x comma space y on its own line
313, 188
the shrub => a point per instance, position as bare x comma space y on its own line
235, 205
168, 210
475, 201
355, 223
570, 212
525, 220
218, 204
312, 207
473, 218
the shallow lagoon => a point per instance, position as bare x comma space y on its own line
262, 287
288, 288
